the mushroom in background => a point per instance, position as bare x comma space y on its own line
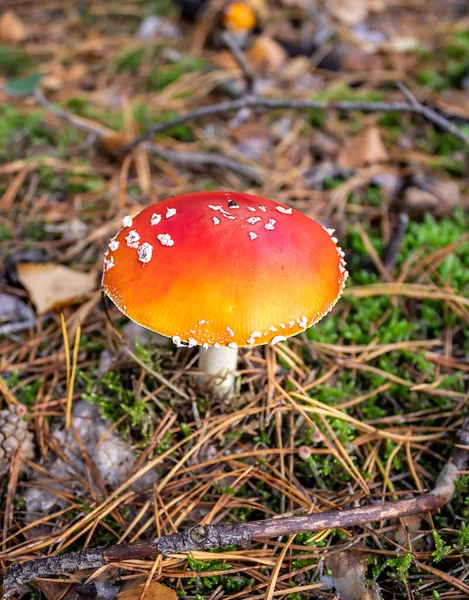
237, 18
223, 270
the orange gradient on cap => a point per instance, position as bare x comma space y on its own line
224, 268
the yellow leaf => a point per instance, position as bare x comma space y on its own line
12, 30
155, 591
51, 286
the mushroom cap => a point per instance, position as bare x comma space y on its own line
239, 16
223, 269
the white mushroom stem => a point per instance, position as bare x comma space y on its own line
220, 365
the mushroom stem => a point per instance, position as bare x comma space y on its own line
220, 364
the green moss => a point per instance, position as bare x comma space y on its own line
130, 60
161, 76
20, 129
441, 548
115, 400
207, 582
401, 564
25, 394
14, 62
5, 232
463, 540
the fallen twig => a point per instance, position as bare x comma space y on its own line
433, 116
190, 160
193, 160
253, 101
238, 55
213, 536
392, 249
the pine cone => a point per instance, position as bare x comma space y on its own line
14, 434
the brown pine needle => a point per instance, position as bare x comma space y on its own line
71, 381
66, 347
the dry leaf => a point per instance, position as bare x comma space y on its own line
363, 150
454, 101
51, 286
266, 55
12, 30
113, 142
350, 12
439, 197
92, 50
155, 591
348, 570
410, 528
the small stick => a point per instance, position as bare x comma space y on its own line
392, 249
252, 101
184, 159
193, 160
71, 377
214, 536
249, 77
432, 116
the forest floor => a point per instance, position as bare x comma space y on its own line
360, 408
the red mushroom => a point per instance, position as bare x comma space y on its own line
223, 270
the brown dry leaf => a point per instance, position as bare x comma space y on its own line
266, 55
224, 60
348, 12
51, 286
363, 150
113, 142
410, 528
348, 570
440, 197
12, 29
58, 76
155, 591
455, 102
92, 50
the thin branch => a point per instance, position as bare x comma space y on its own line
193, 160
190, 160
68, 117
252, 101
214, 536
392, 249
433, 116
238, 55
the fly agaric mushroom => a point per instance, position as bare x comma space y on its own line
223, 270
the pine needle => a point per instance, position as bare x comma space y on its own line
71, 380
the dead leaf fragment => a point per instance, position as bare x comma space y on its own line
113, 142
363, 150
266, 55
51, 286
155, 591
455, 102
12, 29
439, 197
348, 12
410, 529
348, 570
